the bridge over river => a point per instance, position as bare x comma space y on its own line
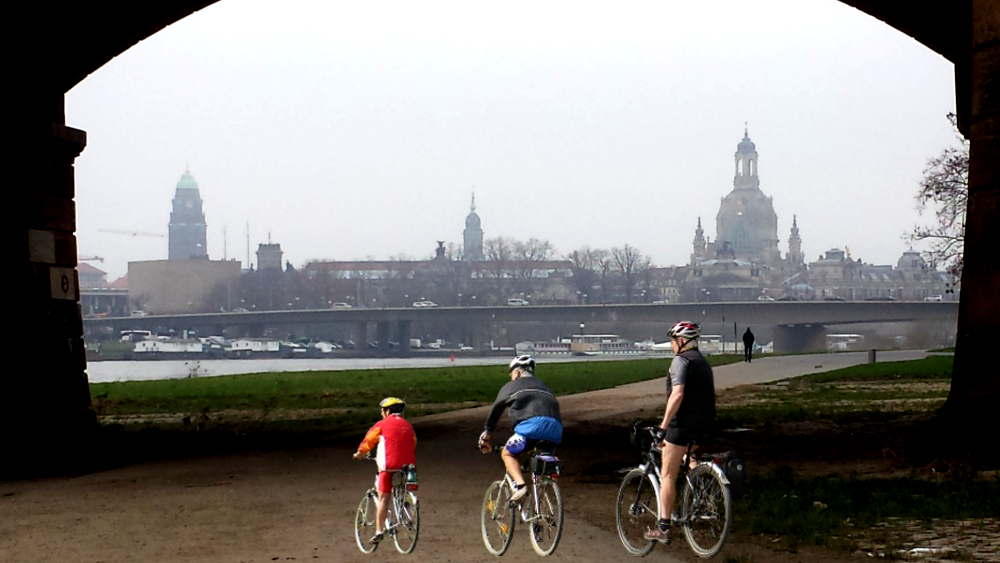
799, 325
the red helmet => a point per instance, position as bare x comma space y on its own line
685, 329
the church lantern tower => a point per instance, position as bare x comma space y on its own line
700, 244
747, 224
795, 256
187, 229
473, 234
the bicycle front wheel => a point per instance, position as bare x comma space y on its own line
407, 522
498, 518
707, 511
637, 511
546, 528
364, 522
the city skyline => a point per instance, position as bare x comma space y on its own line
363, 134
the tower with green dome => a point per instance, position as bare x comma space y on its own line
187, 222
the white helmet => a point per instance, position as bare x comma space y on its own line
525, 362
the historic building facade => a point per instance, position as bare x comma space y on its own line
187, 222
472, 237
744, 262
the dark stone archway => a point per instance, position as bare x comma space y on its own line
48, 408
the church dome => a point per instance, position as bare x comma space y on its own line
911, 259
746, 145
472, 221
187, 182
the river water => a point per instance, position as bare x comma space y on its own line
109, 371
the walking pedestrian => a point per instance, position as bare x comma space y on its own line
748, 345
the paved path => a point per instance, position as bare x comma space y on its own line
299, 504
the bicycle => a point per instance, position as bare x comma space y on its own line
705, 512
403, 522
542, 507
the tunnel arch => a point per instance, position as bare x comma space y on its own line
70, 42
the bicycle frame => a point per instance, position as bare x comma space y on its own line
650, 467
542, 512
402, 489
695, 506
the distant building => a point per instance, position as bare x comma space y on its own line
98, 298
745, 264
187, 222
473, 235
161, 287
269, 256
91, 277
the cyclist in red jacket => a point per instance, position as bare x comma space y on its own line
396, 443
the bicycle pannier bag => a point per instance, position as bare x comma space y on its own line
732, 465
546, 465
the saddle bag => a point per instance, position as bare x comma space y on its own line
546, 465
735, 470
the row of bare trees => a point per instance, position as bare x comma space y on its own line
511, 267
618, 275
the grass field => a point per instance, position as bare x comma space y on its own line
335, 393
846, 511
866, 392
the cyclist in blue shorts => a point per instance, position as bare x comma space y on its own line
533, 412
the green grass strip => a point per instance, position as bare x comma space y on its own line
932, 367
362, 388
816, 511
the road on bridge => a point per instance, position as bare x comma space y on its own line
299, 504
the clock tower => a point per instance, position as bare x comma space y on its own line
187, 222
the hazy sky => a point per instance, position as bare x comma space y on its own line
354, 129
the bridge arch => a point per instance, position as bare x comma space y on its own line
71, 41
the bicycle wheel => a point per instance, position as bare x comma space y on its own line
546, 528
707, 511
364, 521
407, 522
637, 510
498, 518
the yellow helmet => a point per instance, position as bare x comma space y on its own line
390, 402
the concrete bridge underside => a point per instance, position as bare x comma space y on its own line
801, 323
62, 43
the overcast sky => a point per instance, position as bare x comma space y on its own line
353, 129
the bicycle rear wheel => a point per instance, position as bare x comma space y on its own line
637, 510
707, 511
546, 529
498, 518
364, 521
407, 523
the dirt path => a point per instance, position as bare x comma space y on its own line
299, 504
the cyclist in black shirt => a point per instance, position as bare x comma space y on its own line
689, 415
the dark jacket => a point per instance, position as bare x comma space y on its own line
526, 397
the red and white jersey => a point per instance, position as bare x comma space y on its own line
396, 442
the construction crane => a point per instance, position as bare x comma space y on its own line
133, 233
90, 259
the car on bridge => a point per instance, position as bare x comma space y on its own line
341, 305
424, 304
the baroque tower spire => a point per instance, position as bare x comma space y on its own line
795, 244
473, 235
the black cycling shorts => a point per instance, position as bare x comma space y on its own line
682, 436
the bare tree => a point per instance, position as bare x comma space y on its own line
528, 256
587, 269
945, 189
499, 256
631, 265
